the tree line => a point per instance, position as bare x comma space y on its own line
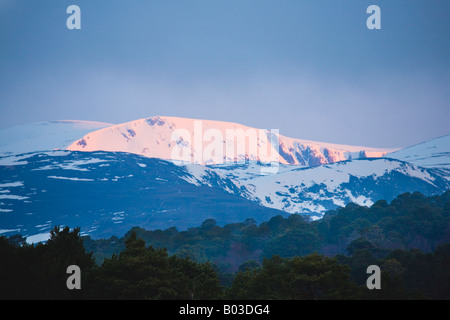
138, 272
142, 272
411, 221
285, 259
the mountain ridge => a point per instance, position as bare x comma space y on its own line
434, 153
162, 137
44, 136
315, 190
107, 193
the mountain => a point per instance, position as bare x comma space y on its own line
44, 136
108, 193
164, 172
315, 190
430, 154
215, 142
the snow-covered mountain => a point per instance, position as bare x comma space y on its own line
126, 175
107, 193
215, 142
315, 190
430, 154
44, 136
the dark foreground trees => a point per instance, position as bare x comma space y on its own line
143, 272
147, 273
39, 272
139, 272
313, 277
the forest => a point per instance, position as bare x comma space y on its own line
280, 259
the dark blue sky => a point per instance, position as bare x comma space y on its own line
310, 68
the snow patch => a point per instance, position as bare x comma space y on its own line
3, 231
12, 197
11, 184
71, 179
37, 238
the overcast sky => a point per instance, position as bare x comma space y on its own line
309, 68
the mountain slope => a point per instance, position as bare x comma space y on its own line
313, 191
108, 193
215, 142
430, 154
44, 136
124, 184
